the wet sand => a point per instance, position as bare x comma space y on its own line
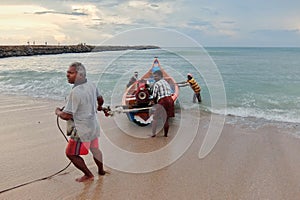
246, 163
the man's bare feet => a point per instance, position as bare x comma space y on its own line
85, 178
102, 173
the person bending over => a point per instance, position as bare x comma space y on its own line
164, 107
194, 85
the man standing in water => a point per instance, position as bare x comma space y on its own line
194, 85
81, 111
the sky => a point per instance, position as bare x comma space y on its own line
253, 23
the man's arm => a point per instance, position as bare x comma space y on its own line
182, 84
100, 101
154, 93
63, 115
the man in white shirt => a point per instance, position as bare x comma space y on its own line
81, 111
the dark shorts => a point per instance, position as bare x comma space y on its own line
80, 148
165, 106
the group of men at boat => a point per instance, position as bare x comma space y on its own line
189, 82
162, 96
81, 109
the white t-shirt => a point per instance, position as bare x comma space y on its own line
82, 104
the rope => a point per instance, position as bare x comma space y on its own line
58, 126
47, 177
120, 109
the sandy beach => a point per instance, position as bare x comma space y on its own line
246, 163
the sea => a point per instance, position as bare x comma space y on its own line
253, 85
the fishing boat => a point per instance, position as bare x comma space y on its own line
137, 100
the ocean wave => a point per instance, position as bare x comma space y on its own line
271, 114
49, 84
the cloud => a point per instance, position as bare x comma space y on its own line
210, 22
75, 13
193, 23
228, 22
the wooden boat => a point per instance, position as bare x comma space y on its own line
137, 97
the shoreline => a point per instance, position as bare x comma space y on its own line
31, 50
249, 122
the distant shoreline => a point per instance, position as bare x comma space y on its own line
31, 50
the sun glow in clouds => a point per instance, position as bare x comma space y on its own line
20, 24
12, 17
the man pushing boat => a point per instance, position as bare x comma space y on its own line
164, 108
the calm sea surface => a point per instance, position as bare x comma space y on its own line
263, 83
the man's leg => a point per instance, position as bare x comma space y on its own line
166, 127
154, 126
80, 164
97, 155
199, 97
194, 98
73, 151
155, 119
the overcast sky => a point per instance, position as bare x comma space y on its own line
209, 22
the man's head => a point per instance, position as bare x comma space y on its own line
157, 75
136, 74
189, 76
76, 73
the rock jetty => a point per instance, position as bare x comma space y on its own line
30, 50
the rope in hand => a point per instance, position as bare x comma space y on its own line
47, 177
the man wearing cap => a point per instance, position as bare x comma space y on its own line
194, 85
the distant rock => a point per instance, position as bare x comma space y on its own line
30, 50
122, 48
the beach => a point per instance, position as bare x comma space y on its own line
255, 157
246, 162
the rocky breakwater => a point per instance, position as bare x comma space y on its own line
30, 50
